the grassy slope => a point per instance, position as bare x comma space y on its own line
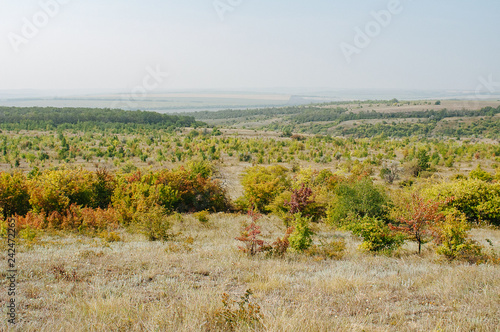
137, 285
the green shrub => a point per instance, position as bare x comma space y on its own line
136, 195
14, 196
29, 234
279, 208
377, 236
103, 187
154, 224
480, 174
423, 159
453, 239
55, 191
263, 184
3, 225
359, 198
177, 190
477, 199
201, 167
301, 237
241, 204
202, 216
110, 236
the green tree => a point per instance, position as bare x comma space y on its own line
357, 199
423, 159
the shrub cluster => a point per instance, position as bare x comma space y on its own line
478, 200
441, 213
377, 236
262, 185
79, 199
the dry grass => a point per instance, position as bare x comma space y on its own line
73, 283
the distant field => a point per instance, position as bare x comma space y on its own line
210, 96
169, 102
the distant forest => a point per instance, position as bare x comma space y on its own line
46, 118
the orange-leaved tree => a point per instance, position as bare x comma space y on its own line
416, 217
250, 234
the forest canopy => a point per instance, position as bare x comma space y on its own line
48, 117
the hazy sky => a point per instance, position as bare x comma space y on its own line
116, 44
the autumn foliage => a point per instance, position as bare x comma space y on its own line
416, 218
300, 199
249, 237
84, 200
263, 184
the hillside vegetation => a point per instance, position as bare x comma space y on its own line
389, 118
133, 221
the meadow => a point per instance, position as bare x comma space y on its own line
79, 283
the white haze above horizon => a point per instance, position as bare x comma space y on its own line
249, 44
